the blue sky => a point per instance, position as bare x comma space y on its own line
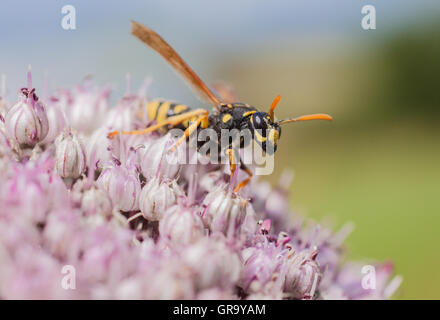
202, 30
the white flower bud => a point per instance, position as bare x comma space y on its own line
60, 233
26, 121
122, 116
211, 180
88, 109
70, 155
156, 161
156, 197
5, 145
96, 201
213, 262
121, 182
302, 275
101, 148
57, 121
224, 211
181, 225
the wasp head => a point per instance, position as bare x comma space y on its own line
266, 132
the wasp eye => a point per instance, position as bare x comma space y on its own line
258, 121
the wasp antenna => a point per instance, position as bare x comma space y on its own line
317, 116
273, 106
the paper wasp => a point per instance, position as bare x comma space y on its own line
264, 128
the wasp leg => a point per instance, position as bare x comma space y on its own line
189, 131
232, 161
171, 121
242, 184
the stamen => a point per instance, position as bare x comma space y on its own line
127, 84
29, 77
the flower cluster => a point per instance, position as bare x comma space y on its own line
133, 225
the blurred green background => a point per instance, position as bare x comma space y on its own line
376, 165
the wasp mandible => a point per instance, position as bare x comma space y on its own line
264, 128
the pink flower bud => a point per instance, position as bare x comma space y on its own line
169, 282
216, 294
57, 121
99, 147
181, 225
262, 263
92, 200
32, 275
130, 289
70, 155
96, 201
123, 116
250, 223
156, 161
302, 275
224, 211
107, 257
88, 109
29, 191
213, 263
121, 182
129, 109
26, 121
157, 196
61, 234
211, 180
5, 145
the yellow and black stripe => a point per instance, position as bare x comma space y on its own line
160, 110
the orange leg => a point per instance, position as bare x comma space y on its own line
233, 167
232, 162
189, 131
242, 184
172, 121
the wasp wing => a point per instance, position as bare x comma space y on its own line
152, 39
225, 91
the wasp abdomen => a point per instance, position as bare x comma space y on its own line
159, 111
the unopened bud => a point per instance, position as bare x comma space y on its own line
26, 121
121, 182
181, 225
70, 155
156, 197
302, 275
156, 161
224, 212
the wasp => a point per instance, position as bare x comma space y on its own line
265, 129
